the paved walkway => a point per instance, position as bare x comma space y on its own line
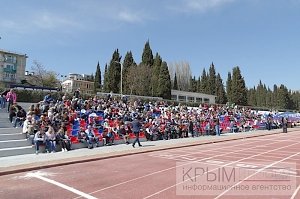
29, 162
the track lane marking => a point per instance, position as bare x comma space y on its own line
295, 192
167, 188
170, 168
258, 171
40, 176
160, 171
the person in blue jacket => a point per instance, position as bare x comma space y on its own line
136, 126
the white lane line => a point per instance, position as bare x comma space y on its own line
19, 140
167, 188
258, 171
71, 189
170, 168
295, 193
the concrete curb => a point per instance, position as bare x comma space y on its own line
76, 160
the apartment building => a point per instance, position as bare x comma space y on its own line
12, 67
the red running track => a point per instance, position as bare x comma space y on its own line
266, 165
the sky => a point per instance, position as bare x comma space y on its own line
71, 36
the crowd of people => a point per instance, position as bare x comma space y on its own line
57, 123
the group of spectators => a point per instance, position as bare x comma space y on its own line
60, 122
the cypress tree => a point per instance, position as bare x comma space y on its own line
204, 82
199, 85
252, 97
127, 64
114, 73
220, 91
228, 87
260, 98
146, 65
147, 56
264, 96
283, 97
275, 96
269, 98
155, 75
212, 80
106, 78
175, 84
238, 86
193, 84
97, 79
164, 81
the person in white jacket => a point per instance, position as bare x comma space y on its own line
28, 128
50, 139
39, 138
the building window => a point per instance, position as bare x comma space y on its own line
199, 99
191, 99
181, 98
206, 100
174, 97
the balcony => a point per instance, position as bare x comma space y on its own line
9, 70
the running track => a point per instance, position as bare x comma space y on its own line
153, 175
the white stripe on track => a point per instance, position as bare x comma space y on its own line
71, 189
167, 188
295, 193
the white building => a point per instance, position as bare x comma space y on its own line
184, 96
75, 81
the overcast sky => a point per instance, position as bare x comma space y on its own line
71, 36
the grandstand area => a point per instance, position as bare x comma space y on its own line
250, 142
152, 171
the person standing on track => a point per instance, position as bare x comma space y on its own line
136, 126
217, 126
284, 125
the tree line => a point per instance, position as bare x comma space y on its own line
154, 77
151, 77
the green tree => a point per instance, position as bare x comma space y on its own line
252, 97
127, 64
275, 96
114, 73
220, 91
155, 75
164, 81
261, 94
199, 85
283, 97
269, 98
212, 80
106, 78
146, 65
238, 86
204, 82
97, 79
193, 84
175, 84
229, 87
295, 97
147, 56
